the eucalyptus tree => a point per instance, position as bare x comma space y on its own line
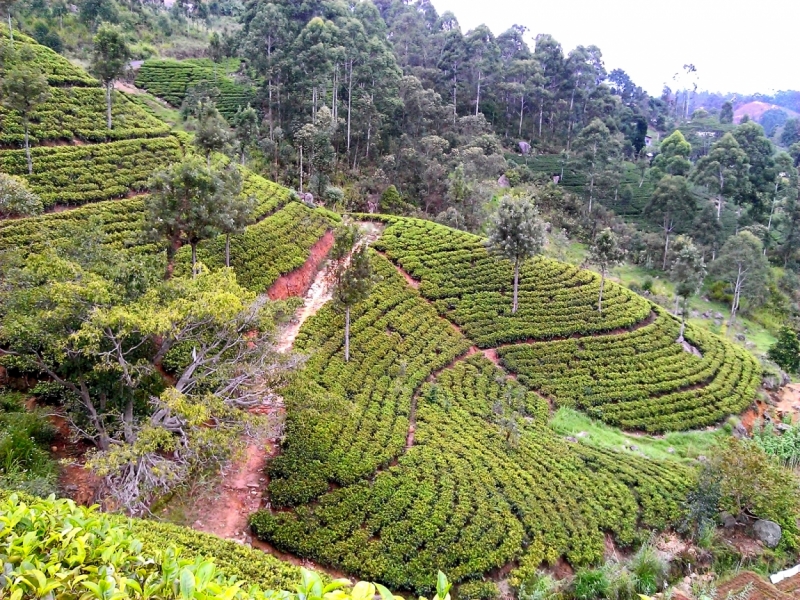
596, 151
22, 89
742, 265
605, 253
516, 233
722, 170
688, 271
672, 205
110, 57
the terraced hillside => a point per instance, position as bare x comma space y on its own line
171, 80
409, 458
623, 365
76, 158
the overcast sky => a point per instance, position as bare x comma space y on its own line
736, 46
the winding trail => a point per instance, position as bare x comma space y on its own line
239, 493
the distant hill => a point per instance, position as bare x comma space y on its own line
756, 109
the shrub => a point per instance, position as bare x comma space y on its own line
649, 570
590, 584
478, 590
786, 350
16, 200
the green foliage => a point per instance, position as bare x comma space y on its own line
172, 80
276, 245
24, 438
642, 379
478, 590
590, 584
75, 112
58, 70
471, 288
649, 570
83, 174
783, 445
786, 351
347, 420
750, 480
16, 200
110, 55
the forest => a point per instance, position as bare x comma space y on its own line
337, 299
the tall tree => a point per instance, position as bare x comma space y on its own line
517, 233
726, 113
742, 265
722, 170
688, 271
236, 210
245, 123
6, 6
23, 89
188, 203
110, 57
673, 156
213, 133
353, 281
671, 205
605, 253
791, 132
596, 151
757, 183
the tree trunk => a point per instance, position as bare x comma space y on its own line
301, 169
478, 97
666, 250
10, 28
683, 322
347, 334
677, 299
515, 303
194, 260
349, 104
541, 115
228, 250
109, 87
28, 149
521, 113
591, 192
602, 286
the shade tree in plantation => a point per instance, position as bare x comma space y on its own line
516, 233
742, 265
596, 151
605, 253
672, 205
101, 323
688, 272
190, 202
16, 200
354, 279
110, 57
23, 88
723, 170
236, 210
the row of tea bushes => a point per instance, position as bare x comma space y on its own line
58, 70
171, 79
81, 174
473, 288
80, 113
641, 379
347, 419
467, 497
278, 244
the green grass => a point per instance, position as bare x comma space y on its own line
687, 446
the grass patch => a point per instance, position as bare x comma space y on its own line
687, 446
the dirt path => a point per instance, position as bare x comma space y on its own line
240, 491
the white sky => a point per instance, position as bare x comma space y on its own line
736, 46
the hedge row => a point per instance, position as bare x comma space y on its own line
462, 499
171, 79
121, 223
82, 174
80, 113
642, 379
58, 70
277, 245
347, 419
473, 288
